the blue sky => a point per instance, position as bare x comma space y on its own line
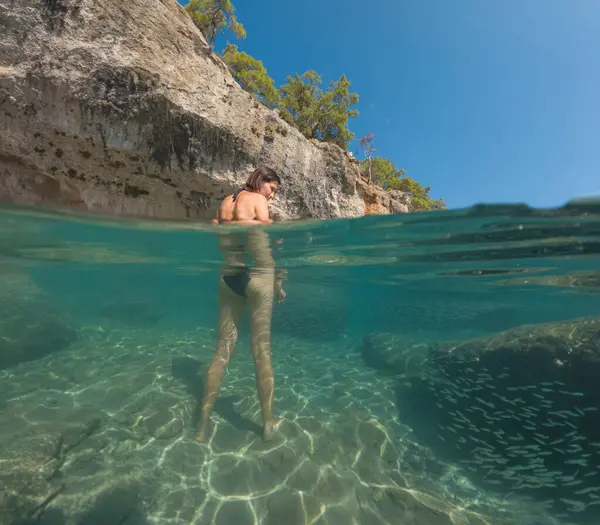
484, 101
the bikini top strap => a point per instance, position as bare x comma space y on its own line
236, 193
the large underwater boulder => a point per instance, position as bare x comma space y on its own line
565, 352
393, 354
518, 411
31, 327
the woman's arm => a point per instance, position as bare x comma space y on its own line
261, 211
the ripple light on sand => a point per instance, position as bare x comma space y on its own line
104, 431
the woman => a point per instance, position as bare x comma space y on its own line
239, 285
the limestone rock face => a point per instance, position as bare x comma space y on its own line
116, 107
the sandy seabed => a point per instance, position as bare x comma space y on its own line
102, 433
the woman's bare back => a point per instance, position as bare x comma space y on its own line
244, 208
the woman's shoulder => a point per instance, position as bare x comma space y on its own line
252, 196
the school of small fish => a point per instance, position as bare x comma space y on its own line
527, 440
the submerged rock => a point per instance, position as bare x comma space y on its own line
518, 411
587, 280
392, 354
567, 352
31, 327
118, 108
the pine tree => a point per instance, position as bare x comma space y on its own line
389, 177
251, 75
319, 114
212, 17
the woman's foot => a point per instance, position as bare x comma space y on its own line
272, 428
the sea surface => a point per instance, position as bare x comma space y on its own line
430, 368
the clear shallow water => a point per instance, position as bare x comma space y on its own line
422, 363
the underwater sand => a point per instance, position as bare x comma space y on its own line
107, 426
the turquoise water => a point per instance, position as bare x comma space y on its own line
430, 368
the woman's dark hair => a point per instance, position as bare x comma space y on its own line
259, 177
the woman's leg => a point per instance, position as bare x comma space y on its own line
260, 307
230, 311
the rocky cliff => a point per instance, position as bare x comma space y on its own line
116, 107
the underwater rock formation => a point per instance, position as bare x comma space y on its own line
117, 108
30, 326
518, 410
587, 281
567, 351
392, 354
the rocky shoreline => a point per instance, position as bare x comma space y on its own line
120, 110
